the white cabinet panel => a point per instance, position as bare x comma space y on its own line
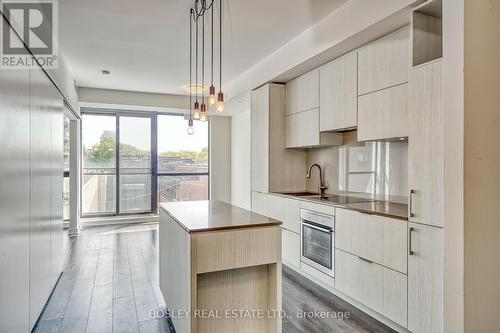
57, 169
379, 239
303, 93
40, 201
384, 63
425, 279
273, 168
426, 145
384, 114
381, 289
291, 248
339, 94
14, 200
260, 139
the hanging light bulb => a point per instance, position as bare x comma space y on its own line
220, 101
211, 95
196, 113
203, 111
190, 130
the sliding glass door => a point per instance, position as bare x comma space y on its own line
134, 167
98, 165
133, 161
182, 160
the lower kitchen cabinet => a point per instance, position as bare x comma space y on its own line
425, 279
285, 210
379, 288
290, 242
380, 239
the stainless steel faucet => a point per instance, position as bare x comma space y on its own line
322, 186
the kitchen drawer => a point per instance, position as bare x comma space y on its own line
379, 288
324, 209
291, 248
379, 239
285, 210
384, 114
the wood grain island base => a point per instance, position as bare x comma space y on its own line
220, 268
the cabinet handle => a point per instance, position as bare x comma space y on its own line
412, 192
365, 260
410, 251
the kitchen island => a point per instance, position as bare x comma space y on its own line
220, 267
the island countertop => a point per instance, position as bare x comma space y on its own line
212, 215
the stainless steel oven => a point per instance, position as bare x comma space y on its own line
317, 240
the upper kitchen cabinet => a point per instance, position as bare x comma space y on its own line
302, 131
384, 114
273, 168
384, 63
426, 145
302, 93
338, 83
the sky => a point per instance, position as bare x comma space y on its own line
172, 135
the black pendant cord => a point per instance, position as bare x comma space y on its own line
190, 66
212, 57
203, 58
200, 7
196, 60
220, 45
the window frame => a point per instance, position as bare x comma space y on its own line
153, 115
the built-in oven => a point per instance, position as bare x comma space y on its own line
317, 240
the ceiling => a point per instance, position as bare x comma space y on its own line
144, 44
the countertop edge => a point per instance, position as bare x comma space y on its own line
274, 223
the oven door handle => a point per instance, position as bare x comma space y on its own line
317, 228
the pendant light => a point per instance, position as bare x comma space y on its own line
211, 94
196, 103
190, 130
199, 110
220, 95
203, 109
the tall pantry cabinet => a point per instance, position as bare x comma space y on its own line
31, 176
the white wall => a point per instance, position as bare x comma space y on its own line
220, 158
240, 159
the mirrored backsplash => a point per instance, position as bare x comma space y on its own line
378, 168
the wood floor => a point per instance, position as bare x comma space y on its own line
110, 284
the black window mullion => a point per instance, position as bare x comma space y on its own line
154, 163
117, 164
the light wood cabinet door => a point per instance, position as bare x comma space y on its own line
384, 63
425, 279
379, 239
302, 129
291, 248
384, 114
379, 288
302, 93
260, 139
426, 146
339, 94
285, 210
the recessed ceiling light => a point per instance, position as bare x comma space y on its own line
105, 72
